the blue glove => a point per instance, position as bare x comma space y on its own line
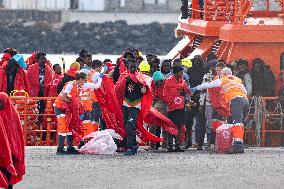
101, 75
193, 90
81, 117
105, 68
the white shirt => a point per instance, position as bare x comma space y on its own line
212, 84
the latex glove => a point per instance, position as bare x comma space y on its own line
193, 90
101, 75
81, 116
105, 68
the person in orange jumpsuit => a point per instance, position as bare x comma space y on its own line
235, 97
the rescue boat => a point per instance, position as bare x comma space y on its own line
234, 29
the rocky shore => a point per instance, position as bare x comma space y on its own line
105, 38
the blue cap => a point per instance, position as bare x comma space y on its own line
20, 60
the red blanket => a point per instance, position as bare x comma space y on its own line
3, 86
5, 58
21, 81
32, 60
111, 109
154, 117
56, 78
33, 76
73, 110
12, 143
217, 102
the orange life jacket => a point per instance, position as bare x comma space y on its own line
74, 93
232, 87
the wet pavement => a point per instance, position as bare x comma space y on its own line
256, 168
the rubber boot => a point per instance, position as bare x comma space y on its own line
70, 148
238, 136
60, 148
61, 123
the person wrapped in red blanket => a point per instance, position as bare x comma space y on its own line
12, 150
13, 75
40, 78
135, 97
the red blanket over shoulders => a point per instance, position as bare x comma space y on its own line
147, 114
111, 109
11, 142
21, 80
33, 76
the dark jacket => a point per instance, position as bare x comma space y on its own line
263, 82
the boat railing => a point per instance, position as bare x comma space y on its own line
235, 11
265, 128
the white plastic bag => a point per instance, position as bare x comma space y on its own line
101, 143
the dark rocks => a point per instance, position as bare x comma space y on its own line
106, 38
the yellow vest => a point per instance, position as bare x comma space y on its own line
232, 87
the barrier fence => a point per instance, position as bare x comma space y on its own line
264, 124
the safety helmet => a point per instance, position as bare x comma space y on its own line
144, 66
186, 62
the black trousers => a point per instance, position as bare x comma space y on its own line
130, 116
177, 117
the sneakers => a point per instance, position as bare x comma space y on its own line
72, 150
199, 148
179, 150
61, 151
132, 151
82, 143
170, 149
237, 148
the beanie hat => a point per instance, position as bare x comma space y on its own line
241, 62
177, 69
144, 66
213, 63
158, 76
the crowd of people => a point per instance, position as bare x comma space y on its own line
162, 94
